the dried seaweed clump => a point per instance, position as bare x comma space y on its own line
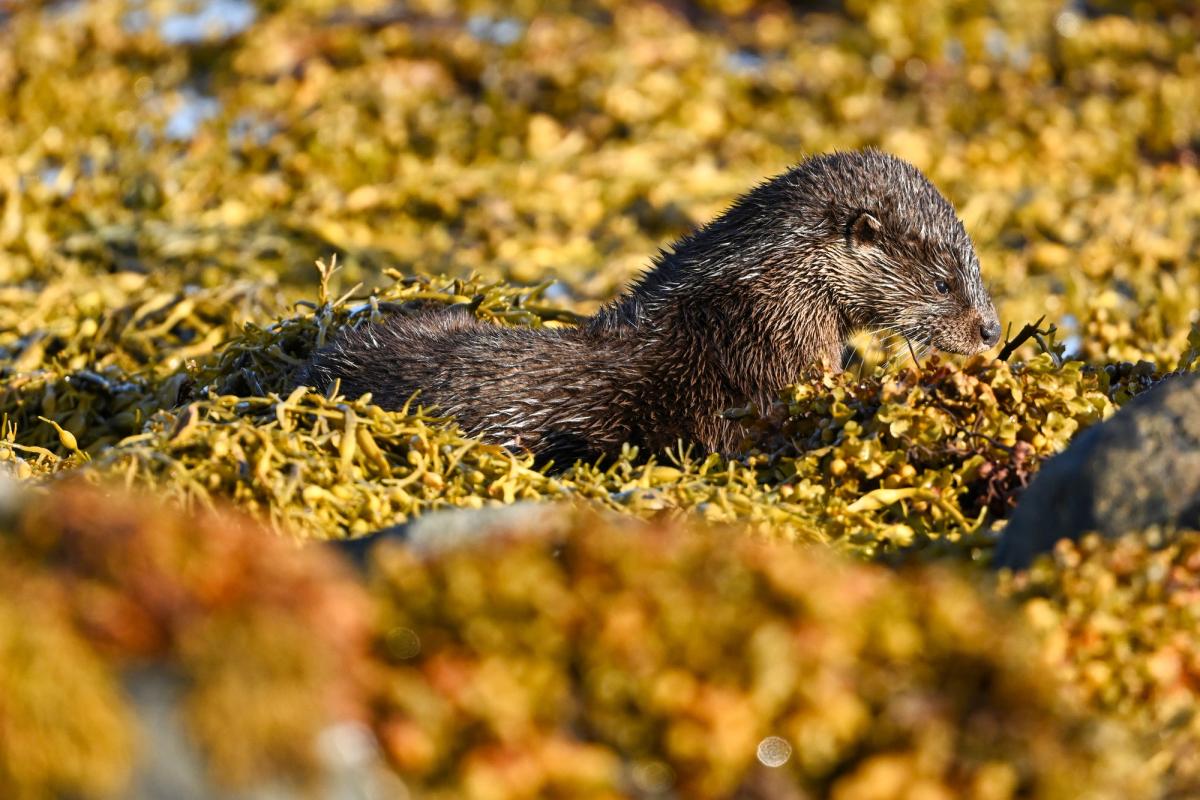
359, 467
632, 660
1119, 622
913, 456
890, 460
102, 363
261, 643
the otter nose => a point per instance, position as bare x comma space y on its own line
989, 332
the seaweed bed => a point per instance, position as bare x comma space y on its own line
810, 618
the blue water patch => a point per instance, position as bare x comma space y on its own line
558, 291
250, 130
212, 20
745, 62
136, 20
1069, 324
194, 110
995, 41
48, 174
503, 31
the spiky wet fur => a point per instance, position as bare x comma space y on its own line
730, 314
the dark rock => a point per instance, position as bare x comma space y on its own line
1138, 469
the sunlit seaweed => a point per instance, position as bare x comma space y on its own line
163, 197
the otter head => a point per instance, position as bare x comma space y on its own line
898, 260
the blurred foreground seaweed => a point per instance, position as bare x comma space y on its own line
263, 644
152, 256
623, 659
1118, 621
611, 658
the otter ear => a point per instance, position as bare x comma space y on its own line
865, 229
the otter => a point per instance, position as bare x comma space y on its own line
730, 314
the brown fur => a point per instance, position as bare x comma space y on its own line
730, 314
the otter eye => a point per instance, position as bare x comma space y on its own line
942, 286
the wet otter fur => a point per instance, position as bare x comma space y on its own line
730, 314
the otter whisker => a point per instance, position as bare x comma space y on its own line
892, 355
890, 344
916, 359
922, 348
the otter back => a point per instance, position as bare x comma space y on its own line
552, 392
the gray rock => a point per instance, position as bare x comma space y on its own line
448, 528
10, 492
1138, 469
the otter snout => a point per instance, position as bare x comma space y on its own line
989, 332
971, 331
986, 327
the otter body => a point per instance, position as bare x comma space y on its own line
730, 314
